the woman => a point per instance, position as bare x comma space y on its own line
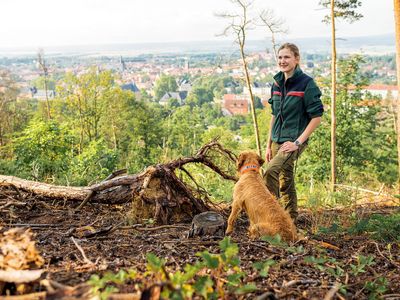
296, 113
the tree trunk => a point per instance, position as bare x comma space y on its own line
396, 4
333, 99
208, 223
253, 110
47, 96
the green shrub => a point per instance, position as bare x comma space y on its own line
95, 163
380, 227
43, 150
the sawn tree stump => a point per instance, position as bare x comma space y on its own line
208, 223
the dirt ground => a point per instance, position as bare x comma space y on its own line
100, 238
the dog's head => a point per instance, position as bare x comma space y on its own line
249, 157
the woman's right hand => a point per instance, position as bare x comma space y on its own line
268, 154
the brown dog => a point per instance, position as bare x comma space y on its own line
266, 215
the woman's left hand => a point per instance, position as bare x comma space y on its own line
288, 147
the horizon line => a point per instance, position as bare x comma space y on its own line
25, 47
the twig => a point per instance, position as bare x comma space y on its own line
17, 191
52, 285
363, 190
331, 293
391, 296
294, 282
381, 254
266, 295
81, 251
115, 174
136, 227
32, 225
14, 203
86, 200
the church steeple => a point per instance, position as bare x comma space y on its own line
122, 62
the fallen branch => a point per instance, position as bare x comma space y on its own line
364, 190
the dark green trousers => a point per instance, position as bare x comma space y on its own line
279, 177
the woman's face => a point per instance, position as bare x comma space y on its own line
287, 61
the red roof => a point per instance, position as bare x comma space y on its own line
382, 87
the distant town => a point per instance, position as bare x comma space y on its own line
139, 73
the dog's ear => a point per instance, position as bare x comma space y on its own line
261, 161
240, 161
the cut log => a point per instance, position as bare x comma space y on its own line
208, 223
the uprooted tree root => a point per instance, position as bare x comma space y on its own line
156, 193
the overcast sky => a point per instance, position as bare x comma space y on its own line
39, 23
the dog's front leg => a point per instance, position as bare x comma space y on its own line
236, 209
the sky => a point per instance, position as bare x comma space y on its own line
41, 23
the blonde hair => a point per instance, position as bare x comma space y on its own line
291, 47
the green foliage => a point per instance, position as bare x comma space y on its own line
198, 96
100, 285
326, 264
164, 84
376, 288
14, 113
364, 142
344, 9
144, 140
43, 151
263, 266
275, 241
362, 262
39, 83
154, 263
183, 131
380, 227
214, 85
84, 99
95, 163
223, 274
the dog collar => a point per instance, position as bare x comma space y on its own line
249, 167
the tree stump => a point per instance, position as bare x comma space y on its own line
208, 223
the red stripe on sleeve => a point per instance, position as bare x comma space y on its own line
298, 94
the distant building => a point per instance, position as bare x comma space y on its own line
185, 86
41, 94
235, 105
382, 90
262, 90
122, 63
230, 87
130, 87
180, 96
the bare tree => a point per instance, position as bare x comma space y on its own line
275, 26
396, 5
344, 9
240, 23
333, 98
45, 73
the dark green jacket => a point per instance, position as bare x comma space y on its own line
294, 103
